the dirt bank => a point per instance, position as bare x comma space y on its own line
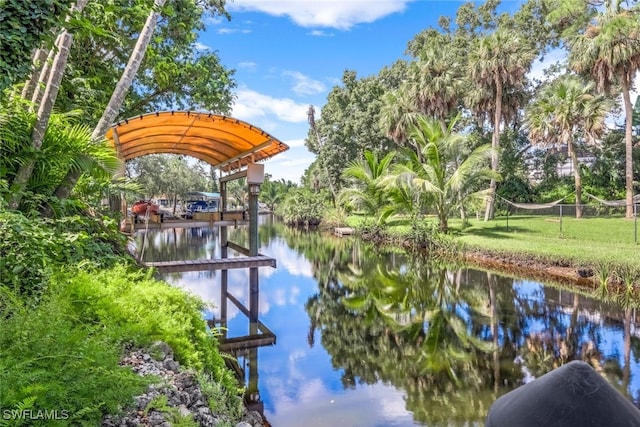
524, 266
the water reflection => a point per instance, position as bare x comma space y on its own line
371, 337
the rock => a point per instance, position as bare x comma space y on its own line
182, 391
171, 365
161, 351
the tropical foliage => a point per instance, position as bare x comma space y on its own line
476, 66
564, 110
368, 195
450, 171
24, 26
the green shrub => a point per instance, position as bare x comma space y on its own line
32, 248
131, 307
28, 251
51, 362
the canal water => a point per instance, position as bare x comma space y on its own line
367, 336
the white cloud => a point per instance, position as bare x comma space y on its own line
214, 20
338, 14
320, 33
201, 46
290, 165
303, 84
295, 142
250, 105
247, 65
233, 30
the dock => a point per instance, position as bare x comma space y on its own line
343, 231
213, 264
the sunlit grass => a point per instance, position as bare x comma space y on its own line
587, 240
580, 241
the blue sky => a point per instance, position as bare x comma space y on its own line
289, 54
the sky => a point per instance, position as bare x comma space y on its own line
289, 54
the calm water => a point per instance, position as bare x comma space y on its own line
369, 338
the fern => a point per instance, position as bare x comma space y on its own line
22, 406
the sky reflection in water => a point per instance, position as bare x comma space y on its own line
367, 363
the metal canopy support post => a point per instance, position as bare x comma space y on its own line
255, 177
254, 190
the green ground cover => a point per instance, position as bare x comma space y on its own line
71, 303
583, 241
586, 241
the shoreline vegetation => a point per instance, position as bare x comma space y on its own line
73, 306
596, 254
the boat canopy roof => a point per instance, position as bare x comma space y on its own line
223, 142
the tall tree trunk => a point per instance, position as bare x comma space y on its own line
40, 84
126, 80
628, 142
495, 144
39, 61
45, 109
576, 176
312, 122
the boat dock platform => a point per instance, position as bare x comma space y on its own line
212, 264
343, 231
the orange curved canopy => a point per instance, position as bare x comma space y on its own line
221, 141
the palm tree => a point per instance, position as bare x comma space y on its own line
367, 192
398, 113
63, 44
609, 50
272, 193
497, 60
449, 173
563, 110
117, 97
65, 146
436, 82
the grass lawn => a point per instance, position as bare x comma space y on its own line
587, 241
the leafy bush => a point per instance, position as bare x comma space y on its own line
132, 307
49, 361
31, 248
23, 27
64, 353
28, 251
427, 235
302, 207
334, 217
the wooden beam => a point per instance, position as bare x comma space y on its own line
248, 341
213, 264
233, 176
238, 248
245, 154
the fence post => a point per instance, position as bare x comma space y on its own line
561, 219
507, 217
635, 223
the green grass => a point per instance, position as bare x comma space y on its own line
586, 241
583, 241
